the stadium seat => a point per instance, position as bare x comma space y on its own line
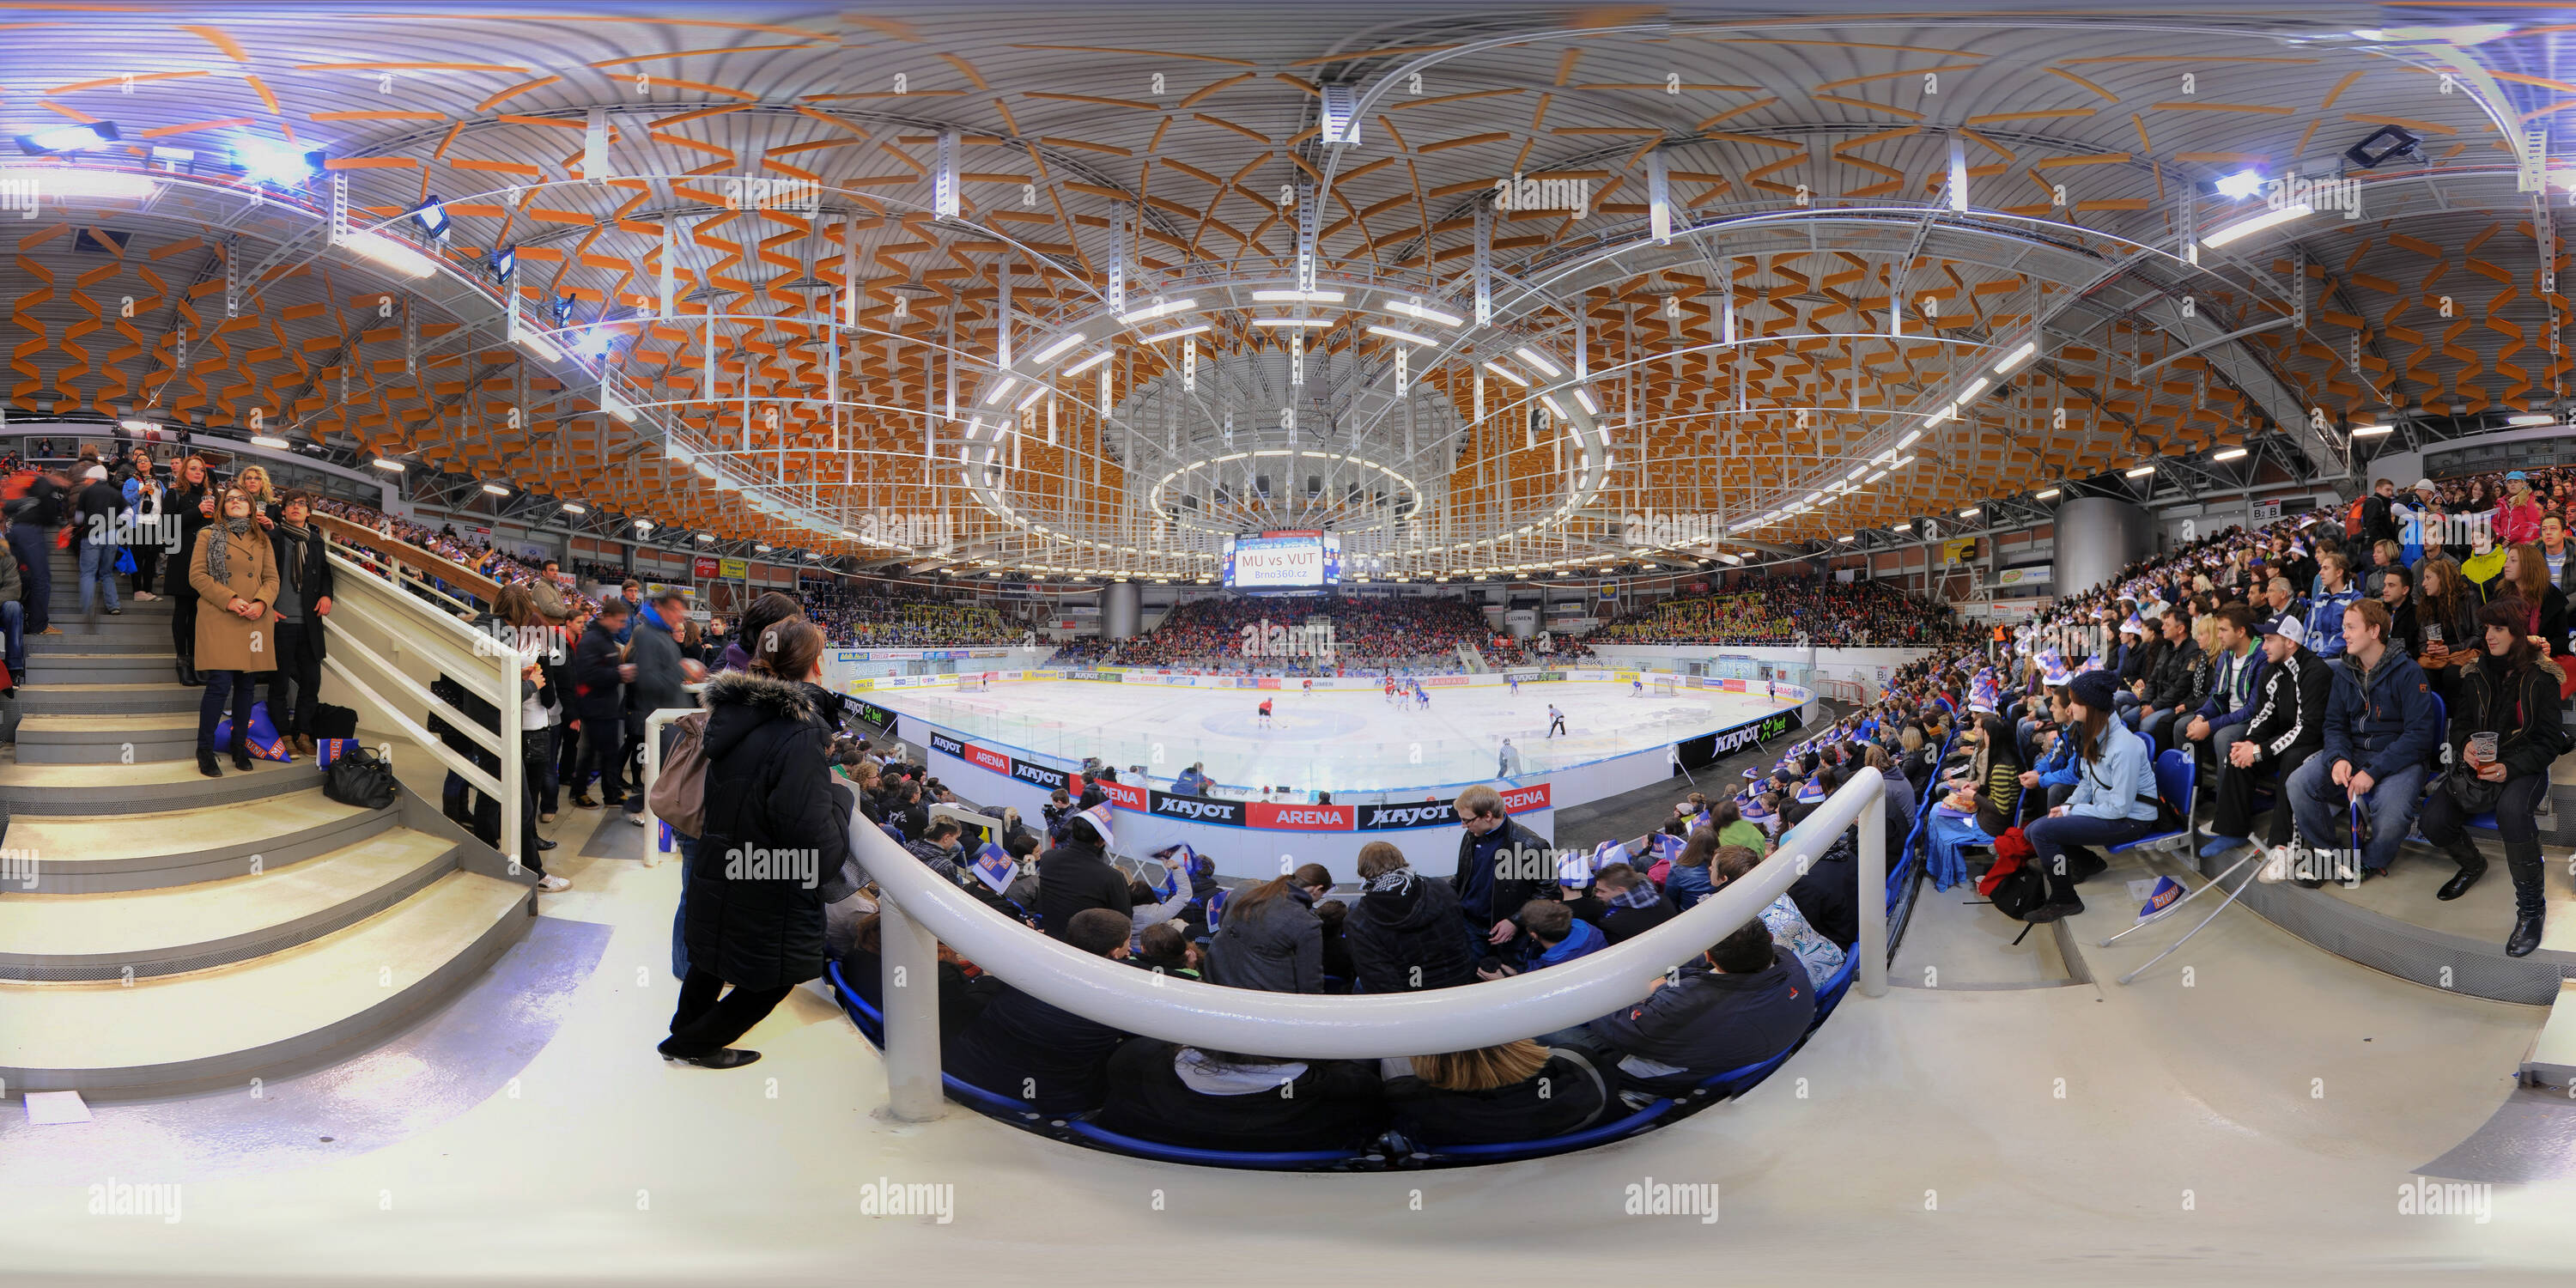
1598, 1134
2177, 775
1282, 1161
871, 1025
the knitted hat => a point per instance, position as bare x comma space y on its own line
2095, 689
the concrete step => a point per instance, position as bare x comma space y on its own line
134, 934
109, 637
90, 853
101, 668
2552, 1062
161, 695
267, 1016
65, 602
159, 785
106, 739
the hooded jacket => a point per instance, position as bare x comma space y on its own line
597, 690
1075, 876
2290, 708
2381, 720
1711, 1022
775, 839
2521, 707
1275, 947
1404, 936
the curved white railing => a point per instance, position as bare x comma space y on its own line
921, 910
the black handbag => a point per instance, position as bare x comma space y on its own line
2474, 795
359, 778
331, 721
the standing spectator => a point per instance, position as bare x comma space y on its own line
142, 491
192, 501
99, 506
303, 600
31, 539
2505, 732
233, 571
660, 673
2379, 728
1487, 894
2335, 592
600, 673
753, 926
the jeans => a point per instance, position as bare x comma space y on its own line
295, 687
222, 685
2516, 813
547, 775
680, 915
147, 560
97, 566
34, 547
601, 743
2053, 836
2157, 728
2324, 823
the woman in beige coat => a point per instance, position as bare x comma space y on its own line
233, 572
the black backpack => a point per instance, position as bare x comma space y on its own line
2021, 890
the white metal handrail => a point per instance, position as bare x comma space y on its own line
920, 910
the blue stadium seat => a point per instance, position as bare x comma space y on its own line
1289, 1160
1735, 1082
2177, 776
1837, 984
870, 1021
1599, 1134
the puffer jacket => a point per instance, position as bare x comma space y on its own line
2181, 678
1277, 947
2520, 707
2381, 720
776, 835
1408, 938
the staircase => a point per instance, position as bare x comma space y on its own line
162, 932
1472, 660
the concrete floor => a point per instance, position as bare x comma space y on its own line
2246, 1112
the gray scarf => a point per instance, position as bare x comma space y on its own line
219, 550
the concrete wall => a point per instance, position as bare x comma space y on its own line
2095, 537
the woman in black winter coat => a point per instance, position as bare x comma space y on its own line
1404, 932
1268, 937
770, 855
1513, 1092
2511, 693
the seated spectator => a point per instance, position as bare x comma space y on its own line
1151, 907
1900, 797
1203, 1099
1559, 936
2379, 732
1734, 827
1077, 875
1032, 1050
1269, 939
937, 847
2505, 733
1636, 906
1331, 917
1749, 1002
1404, 934
1167, 951
2114, 798
1821, 956
961, 998
1574, 890
2286, 725
1496, 1095
1689, 881
1829, 894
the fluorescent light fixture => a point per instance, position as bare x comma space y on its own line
705, 539
2242, 184
495, 489
2046, 494
1090, 362
1298, 297
392, 254
1969, 513
2531, 418
2371, 431
1902, 462
1813, 497
1173, 335
2140, 472
763, 547
269, 441
1975, 387
1059, 348
1153, 311
137, 425
1539, 360
1845, 538
539, 345
1405, 308
643, 525
1873, 478
63, 181
1554, 408
1908, 440
68, 138
2013, 360
569, 507
1036, 392
847, 535
2227, 454
1406, 336
594, 341
1293, 322
1901, 527
1506, 373
432, 217
276, 164
2249, 227
1584, 396
396, 467
1002, 390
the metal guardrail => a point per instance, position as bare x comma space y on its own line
919, 910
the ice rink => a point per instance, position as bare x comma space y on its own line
1330, 740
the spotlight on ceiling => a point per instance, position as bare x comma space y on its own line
2386, 143
67, 138
388, 466
505, 261
2242, 184
275, 164
431, 216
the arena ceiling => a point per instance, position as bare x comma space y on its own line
1866, 216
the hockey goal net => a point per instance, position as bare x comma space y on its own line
974, 681
1664, 685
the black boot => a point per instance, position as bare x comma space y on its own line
206, 763
188, 670
241, 756
2472, 866
2522, 859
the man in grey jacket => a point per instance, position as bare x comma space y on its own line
658, 680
